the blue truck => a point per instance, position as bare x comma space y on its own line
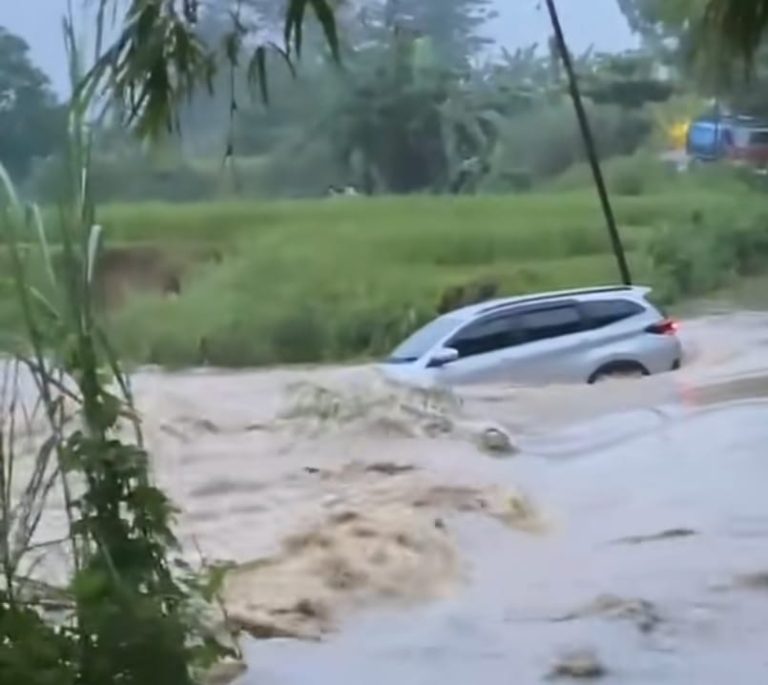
736, 139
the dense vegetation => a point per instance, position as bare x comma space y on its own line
120, 604
420, 103
258, 282
420, 106
345, 278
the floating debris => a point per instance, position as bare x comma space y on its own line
642, 613
671, 534
582, 664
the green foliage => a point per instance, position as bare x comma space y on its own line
32, 124
31, 651
639, 174
644, 173
423, 128
741, 25
129, 615
702, 256
546, 141
159, 60
627, 80
389, 118
454, 28
711, 41
398, 117
132, 176
660, 20
343, 279
129, 622
302, 169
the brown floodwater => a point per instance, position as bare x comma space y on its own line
383, 537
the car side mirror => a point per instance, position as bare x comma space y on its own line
447, 355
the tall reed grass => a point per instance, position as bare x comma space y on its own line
69, 430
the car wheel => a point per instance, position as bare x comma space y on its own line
617, 370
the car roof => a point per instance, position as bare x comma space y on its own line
489, 306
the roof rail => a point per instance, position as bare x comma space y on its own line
513, 302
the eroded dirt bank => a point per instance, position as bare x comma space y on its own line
499, 534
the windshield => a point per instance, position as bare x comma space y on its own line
424, 340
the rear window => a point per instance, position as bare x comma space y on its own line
601, 313
552, 322
758, 138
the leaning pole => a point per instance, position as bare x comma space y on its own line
589, 143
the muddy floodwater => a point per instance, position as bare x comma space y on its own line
499, 535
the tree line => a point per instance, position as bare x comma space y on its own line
413, 97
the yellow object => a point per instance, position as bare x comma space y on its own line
677, 134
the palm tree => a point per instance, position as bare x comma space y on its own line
739, 25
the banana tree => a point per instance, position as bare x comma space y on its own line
410, 124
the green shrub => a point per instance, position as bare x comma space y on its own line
343, 279
639, 174
703, 256
133, 177
544, 143
348, 278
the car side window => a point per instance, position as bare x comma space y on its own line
601, 313
486, 336
552, 322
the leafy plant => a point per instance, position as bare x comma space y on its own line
158, 61
130, 615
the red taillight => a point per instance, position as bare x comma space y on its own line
666, 327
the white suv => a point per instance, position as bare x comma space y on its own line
579, 336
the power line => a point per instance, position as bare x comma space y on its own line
589, 143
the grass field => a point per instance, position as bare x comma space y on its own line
520, 218
338, 279
346, 278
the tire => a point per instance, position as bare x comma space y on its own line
626, 369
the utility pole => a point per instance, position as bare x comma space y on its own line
589, 143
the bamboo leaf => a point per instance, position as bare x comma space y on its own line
294, 24
8, 188
232, 42
740, 24
94, 245
36, 218
286, 57
257, 71
46, 304
325, 16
